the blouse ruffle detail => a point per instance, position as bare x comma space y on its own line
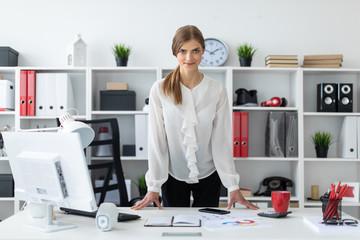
188, 129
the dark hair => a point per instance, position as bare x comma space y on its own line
171, 85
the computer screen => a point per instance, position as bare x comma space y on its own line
50, 168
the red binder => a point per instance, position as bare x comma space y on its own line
236, 134
31, 89
23, 93
244, 134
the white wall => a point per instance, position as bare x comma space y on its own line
42, 30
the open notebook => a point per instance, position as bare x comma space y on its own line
175, 221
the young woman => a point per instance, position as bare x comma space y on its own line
190, 137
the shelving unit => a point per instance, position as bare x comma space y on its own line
297, 85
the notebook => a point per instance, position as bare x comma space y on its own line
174, 221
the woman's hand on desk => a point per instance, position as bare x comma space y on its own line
236, 196
148, 199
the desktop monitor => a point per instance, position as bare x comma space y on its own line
50, 168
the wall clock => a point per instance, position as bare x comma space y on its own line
216, 53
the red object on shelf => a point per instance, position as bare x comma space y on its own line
23, 93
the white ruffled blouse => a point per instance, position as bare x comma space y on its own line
192, 140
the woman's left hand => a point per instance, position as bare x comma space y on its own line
236, 196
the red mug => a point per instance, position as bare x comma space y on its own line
280, 200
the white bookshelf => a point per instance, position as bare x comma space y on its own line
297, 85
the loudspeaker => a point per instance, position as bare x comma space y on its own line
326, 97
345, 97
106, 216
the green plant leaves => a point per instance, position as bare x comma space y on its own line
322, 138
121, 51
245, 50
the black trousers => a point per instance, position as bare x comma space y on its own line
206, 192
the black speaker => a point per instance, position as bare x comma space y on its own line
345, 97
327, 97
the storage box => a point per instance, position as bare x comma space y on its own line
7, 95
117, 86
117, 100
6, 185
8, 57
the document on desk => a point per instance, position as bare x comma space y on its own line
314, 222
175, 221
214, 222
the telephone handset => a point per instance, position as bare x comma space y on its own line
274, 184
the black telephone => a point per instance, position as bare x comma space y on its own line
274, 184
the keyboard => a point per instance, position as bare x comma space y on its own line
121, 216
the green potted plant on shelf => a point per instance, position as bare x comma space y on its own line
322, 141
121, 53
142, 185
245, 52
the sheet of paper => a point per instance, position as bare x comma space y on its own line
234, 223
207, 216
315, 224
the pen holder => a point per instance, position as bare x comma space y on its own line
331, 208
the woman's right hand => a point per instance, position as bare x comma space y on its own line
148, 199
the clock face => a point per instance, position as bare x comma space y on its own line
216, 53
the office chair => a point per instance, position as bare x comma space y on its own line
112, 166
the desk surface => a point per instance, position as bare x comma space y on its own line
291, 227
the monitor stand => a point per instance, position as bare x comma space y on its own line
49, 225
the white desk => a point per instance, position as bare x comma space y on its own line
291, 227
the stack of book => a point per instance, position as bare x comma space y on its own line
323, 61
281, 61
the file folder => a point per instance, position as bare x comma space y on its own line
244, 134
291, 130
51, 93
348, 140
141, 135
64, 93
23, 93
236, 134
275, 135
31, 88
41, 97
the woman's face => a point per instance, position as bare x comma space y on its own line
189, 55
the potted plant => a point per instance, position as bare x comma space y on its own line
121, 53
322, 141
142, 185
245, 52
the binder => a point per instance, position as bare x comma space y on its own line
291, 130
51, 92
236, 134
64, 93
244, 134
23, 93
141, 135
348, 139
275, 135
31, 87
41, 97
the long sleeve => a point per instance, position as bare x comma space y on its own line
221, 144
158, 152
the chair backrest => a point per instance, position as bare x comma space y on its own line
113, 166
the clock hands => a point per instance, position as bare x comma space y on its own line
215, 50
212, 52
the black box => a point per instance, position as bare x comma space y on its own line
128, 150
6, 185
8, 57
117, 100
